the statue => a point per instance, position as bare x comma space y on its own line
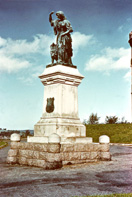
62, 50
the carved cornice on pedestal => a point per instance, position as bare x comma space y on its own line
60, 74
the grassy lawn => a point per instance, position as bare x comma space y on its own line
3, 144
118, 133
115, 195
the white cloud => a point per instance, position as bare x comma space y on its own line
19, 54
110, 59
40, 44
2, 42
10, 64
81, 40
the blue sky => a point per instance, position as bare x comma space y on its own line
101, 53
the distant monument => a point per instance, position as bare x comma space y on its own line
130, 42
59, 136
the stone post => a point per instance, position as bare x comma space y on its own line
104, 141
54, 159
13, 152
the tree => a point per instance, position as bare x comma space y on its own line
85, 121
93, 119
123, 121
27, 133
111, 119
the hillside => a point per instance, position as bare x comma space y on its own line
118, 133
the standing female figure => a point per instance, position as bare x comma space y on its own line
62, 28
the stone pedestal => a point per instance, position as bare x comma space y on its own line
60, 105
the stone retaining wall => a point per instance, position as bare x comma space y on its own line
55, 155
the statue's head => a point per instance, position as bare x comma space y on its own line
60, 15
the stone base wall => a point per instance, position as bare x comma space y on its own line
55, 155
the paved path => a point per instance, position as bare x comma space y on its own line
81, 180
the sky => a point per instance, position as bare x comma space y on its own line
100, 51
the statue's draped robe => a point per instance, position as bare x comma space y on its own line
64, 43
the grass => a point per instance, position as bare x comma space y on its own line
110, 195
118, 133
3, 144
115, 195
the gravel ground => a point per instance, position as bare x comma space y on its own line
79, 180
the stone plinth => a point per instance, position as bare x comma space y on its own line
60, 105
53, 155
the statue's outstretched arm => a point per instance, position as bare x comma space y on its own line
50, 18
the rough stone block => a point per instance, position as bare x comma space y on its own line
67, 148
89, 147
54, 165
14, 145
95, 147
104, 147
35, 154
54, 147
24, 153
26, 146
53, 157
41, 163
85, 155
29, 154
11, 160
42, 155
29, 146
21, 145
94, 155
44, 147
40, 147
12, 153
22, 160
31, 162
80, 147
105, 156
71, 156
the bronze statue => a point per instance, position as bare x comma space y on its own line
62, 50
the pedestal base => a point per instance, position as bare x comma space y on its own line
64, 140
64, 127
